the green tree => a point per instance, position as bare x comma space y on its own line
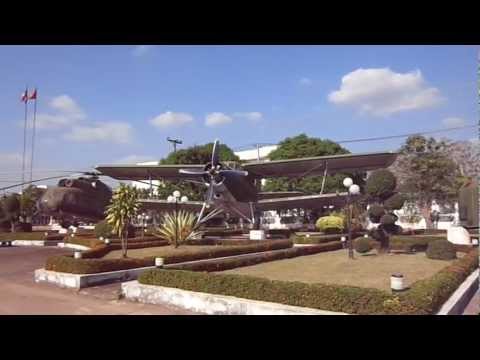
11, 210
28, 201
198, 154
303, 146
123, 208
426, 172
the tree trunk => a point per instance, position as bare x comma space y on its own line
12, 226
426, 211
125, 237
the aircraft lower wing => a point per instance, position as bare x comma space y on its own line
163, 205
317, 165
303, 202
145, 172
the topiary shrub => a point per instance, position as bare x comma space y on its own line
395, 202
103, 229
330, 224
388, 220
375, 213
362, 245
381, 184
441, 250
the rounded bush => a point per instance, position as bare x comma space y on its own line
330, 224
375, 212
388, 220
103, 229
362, 245
441, 250
381, 184
395, 202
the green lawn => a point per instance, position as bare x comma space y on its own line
160, 251
334, 267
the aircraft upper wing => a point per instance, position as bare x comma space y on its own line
316, 165
305, 202
163, 205
145, 172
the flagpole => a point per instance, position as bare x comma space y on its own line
33, 134
24, 140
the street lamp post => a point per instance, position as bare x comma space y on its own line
353, 189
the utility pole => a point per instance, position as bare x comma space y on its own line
174, 142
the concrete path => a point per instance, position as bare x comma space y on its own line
19, 294
473, 307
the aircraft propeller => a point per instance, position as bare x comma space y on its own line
214, 173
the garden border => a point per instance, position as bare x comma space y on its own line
458, 301
211, 304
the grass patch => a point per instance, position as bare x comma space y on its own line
335, 267
34, 235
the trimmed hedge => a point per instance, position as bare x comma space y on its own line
226, 264
441, 250
424, 296
92, 261
412, 243
330, 224
347, 299
316, 239
362, 245
427, 296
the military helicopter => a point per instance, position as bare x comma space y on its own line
73, 200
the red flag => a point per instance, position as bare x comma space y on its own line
33, 96
24, 97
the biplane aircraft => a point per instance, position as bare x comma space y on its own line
235, 189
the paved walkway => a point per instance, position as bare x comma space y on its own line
19, 294
473, 307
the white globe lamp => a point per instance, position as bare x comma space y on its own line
354, 189
184, 199
347, 182
176, 193
170, 198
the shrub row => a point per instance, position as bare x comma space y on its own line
427, 296
92, 261
223, 251
213, 241
347, 299
226, 264
70, 265
317, 238
225, 232
412, 243
424, 297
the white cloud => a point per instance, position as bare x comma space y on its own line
66, 105
382, 92
453, 122
134, 159
305, 81
67, 113
217, 118
114, 132
141, 50
252, 116
170, 118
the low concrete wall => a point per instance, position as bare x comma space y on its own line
461, 297
73, 246
210, 303
78, 281
35, 242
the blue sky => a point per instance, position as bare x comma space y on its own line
104, 104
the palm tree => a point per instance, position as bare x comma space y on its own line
122, 209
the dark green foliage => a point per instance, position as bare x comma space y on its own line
380, 184
395, 202
375, 213
316, 239
303, 146
427, 296
347, 299
362, 245
441, 250
200, 154
103, 229
387, 220
86, 266
226, 264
